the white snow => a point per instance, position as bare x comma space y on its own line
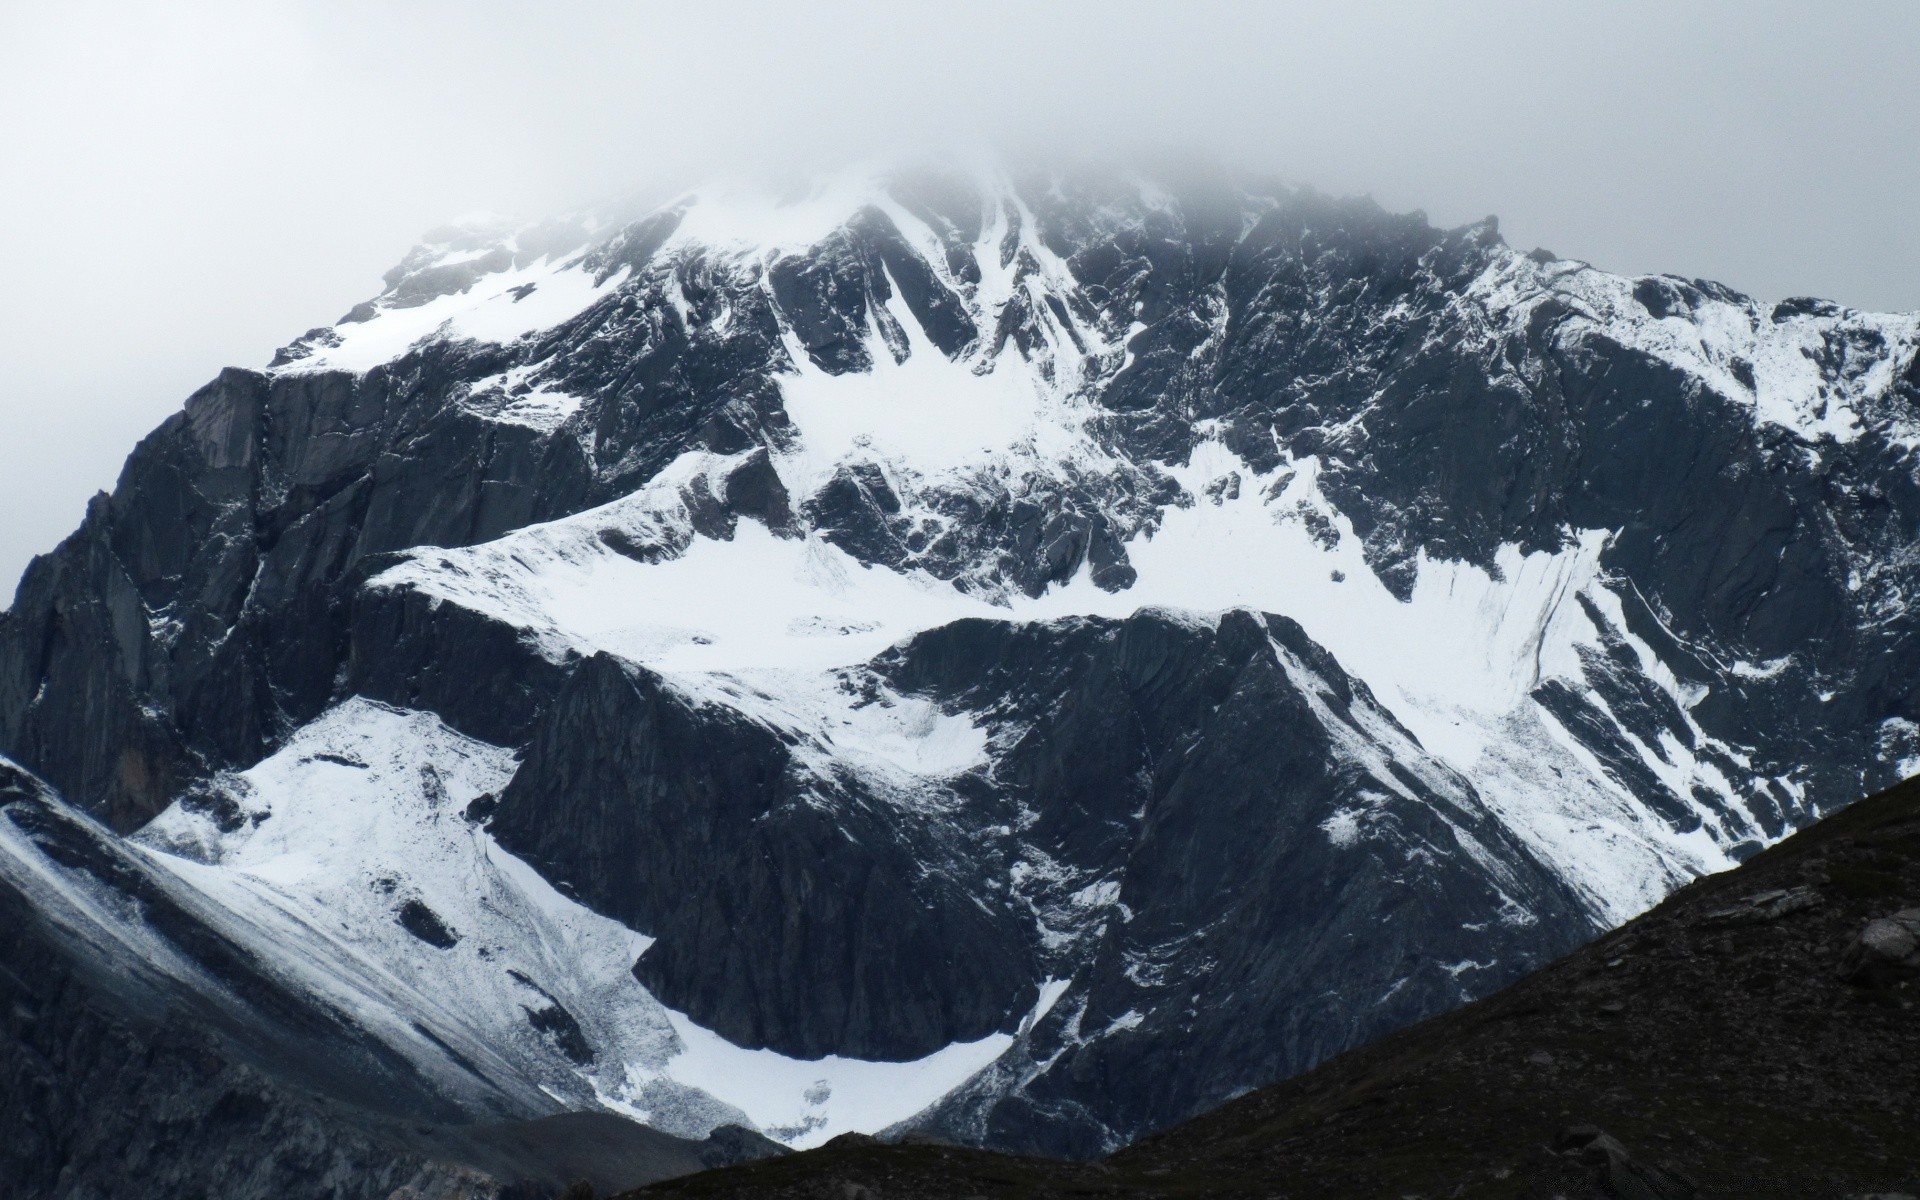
928, 415
804, 1102
489, 311
1343, 827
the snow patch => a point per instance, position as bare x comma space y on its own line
359, 821
500, 307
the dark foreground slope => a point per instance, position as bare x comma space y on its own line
1735, 1037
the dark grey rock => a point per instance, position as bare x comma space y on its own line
422, 922
1885, 953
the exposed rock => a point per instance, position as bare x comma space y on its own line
1886, 952
1765, 906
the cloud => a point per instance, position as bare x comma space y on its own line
189, 185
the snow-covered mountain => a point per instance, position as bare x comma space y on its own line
1027, 657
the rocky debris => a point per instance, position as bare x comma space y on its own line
1616, 1172
1886, 953
731, 1145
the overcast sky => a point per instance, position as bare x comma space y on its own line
187, 185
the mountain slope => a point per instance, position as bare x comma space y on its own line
147, 1050
1056, 651
1730, 1035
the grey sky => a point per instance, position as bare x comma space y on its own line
185, 186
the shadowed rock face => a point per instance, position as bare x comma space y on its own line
688, 823
1185, 853
197, 611
1192, 771
1722, 1044
1228, 761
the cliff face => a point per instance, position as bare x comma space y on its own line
1085, 646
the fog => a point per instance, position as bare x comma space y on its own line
186, 186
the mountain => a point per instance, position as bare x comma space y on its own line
1024, 658
1744, 1038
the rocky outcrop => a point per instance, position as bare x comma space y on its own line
1886, 953
199, 611
790, 911
1597, 1159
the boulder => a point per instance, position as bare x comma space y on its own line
1615, 1171
1886, 952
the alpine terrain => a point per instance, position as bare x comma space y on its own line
1024, 658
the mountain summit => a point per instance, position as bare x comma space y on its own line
1022, 657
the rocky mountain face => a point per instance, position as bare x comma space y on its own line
1753, 1035
1028, 658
